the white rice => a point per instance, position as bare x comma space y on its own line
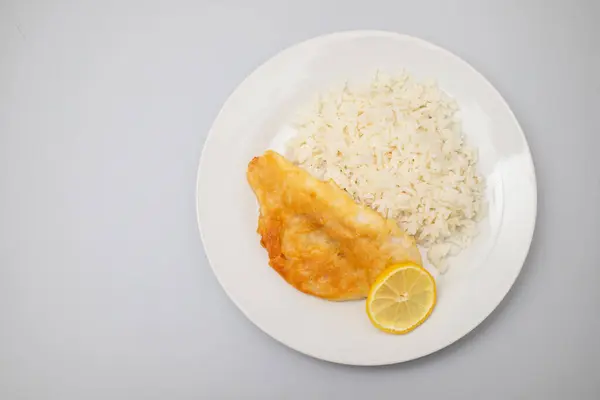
396, 145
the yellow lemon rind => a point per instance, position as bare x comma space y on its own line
381, 279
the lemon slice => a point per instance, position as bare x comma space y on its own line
401, 298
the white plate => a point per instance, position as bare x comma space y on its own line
255, 117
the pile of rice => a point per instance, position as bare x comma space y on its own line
395, 144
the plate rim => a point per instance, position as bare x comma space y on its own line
531, 226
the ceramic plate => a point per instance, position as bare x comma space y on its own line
257, 116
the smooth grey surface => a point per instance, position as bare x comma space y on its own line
105, 292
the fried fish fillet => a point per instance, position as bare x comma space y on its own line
318, 239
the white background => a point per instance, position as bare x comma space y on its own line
105, 292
